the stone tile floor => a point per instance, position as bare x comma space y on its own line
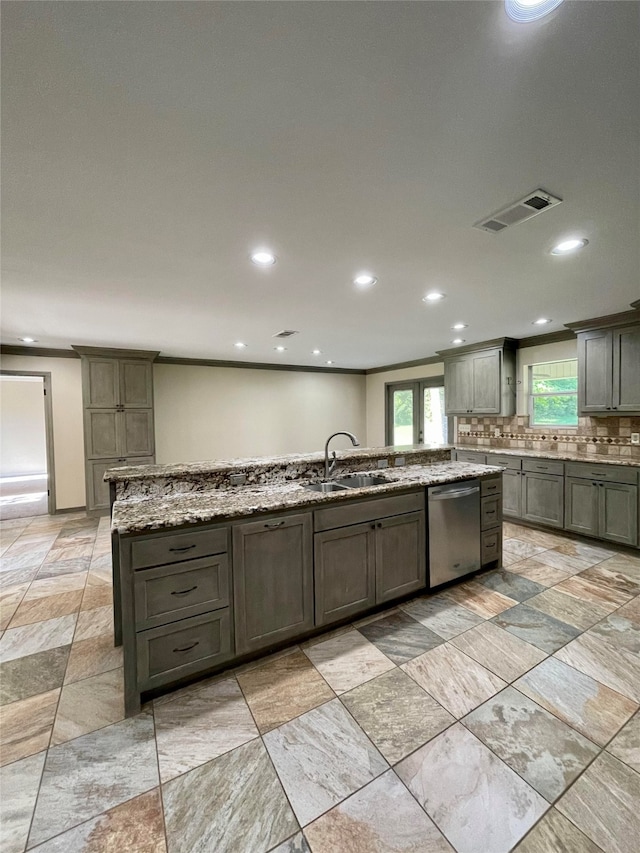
498, 715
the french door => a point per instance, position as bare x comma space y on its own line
416, 412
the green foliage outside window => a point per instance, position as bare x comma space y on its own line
554, 400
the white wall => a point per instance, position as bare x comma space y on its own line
23, 444
221, 412
538, 355
66, 397
375, 401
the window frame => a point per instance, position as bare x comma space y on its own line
533, 396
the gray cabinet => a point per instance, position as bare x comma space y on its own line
609, 365
602, 509
117, 390
272, 580
480, 380
543, 498
512, 493
374, 551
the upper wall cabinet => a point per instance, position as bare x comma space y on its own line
480, 380
609, 364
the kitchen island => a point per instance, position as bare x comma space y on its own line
208, 578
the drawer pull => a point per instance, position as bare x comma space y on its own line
490, 488
490, 512
187, 648
181, 550
542, 467
185, 591
274, 523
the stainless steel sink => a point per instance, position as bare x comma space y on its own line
324, 487
359, 481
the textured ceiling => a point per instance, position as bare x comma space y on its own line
148, 147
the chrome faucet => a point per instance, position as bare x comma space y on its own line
330, 466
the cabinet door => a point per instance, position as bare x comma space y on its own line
97, 491
344, 572
136, 432
594, 371
581, 506
136, 384
511, 493
618, 512
626, 369
486, 382
457, 385
401, 556
272, 581
100, 379
102, 431
543, 498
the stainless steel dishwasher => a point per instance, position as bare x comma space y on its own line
454, 530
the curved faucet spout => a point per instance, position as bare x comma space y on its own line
329, 467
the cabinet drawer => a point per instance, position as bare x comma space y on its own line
491, 545
608, 473
543, 466
513, 463
471, 456
491, 486
158, 550
490, 512
356, 513
177, 591
183, 648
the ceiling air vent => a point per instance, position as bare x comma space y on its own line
286, 333
531, 205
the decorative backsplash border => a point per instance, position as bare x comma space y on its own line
592, 436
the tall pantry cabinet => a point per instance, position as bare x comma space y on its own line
117, 396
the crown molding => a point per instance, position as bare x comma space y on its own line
111, 352
42, 352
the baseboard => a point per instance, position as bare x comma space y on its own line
70, 509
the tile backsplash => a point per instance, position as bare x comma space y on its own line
592, 437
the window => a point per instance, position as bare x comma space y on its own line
553, 389
415, 412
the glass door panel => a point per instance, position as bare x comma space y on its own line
403, 411
434, 420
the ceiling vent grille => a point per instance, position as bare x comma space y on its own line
527, 207
286, 333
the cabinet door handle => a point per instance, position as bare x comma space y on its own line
379, 524
274, 523
187, 648
185, 591
373, 527
182, 550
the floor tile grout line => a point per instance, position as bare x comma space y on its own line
160, 788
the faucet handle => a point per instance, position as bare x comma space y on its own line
333, 463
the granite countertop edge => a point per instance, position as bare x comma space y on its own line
549, 454
218, 505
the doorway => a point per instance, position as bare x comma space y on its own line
26, 445
415, 412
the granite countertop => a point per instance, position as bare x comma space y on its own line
592, 459
141, 472
135, 516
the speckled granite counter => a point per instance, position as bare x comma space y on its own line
591, 459
146, 481
134, 516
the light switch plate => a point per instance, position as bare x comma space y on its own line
635, 438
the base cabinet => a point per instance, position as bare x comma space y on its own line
272, 581
542, 498
606, 510
512, 493
401, 556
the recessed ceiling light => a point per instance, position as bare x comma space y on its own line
458, 326
569, 246
263, 258
28, 340
316, 352
541, 322
240, 345
365, 279
458, 341
433, 297
523, 11
329, 362
280, 349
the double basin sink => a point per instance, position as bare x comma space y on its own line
352, 481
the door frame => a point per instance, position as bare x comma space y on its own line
417, 386
48, 429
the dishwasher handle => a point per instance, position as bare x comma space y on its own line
453, 493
